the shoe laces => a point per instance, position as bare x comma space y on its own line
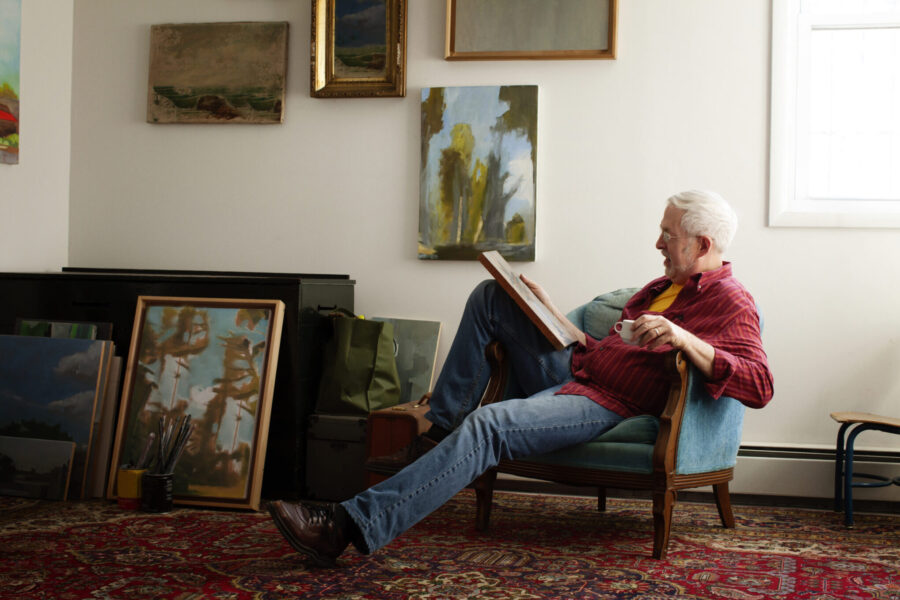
321, 515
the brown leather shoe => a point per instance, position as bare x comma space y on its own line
310, 531
392, 463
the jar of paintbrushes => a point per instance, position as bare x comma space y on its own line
157, 481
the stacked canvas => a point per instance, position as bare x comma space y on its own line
58, 398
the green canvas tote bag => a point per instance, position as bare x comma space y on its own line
359, 368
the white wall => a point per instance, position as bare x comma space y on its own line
34, 194
335, 188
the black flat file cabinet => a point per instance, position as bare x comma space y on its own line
110, 296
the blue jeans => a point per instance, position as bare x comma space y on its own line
537, 422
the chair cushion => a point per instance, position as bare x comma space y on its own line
626, 447
641, 429
612, 456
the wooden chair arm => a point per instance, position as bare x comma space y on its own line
496, 357
666, 448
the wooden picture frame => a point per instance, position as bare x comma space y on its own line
358, 49
212, 359
530, 29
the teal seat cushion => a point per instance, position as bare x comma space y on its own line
613, 456
626, 447
641, 429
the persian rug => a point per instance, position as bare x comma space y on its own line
537, 547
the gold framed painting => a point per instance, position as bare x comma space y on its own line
212, 362
358, 48
530, 29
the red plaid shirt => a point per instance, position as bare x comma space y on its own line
715, 307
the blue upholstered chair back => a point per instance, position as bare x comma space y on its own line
710, 433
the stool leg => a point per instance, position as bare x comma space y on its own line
848, 475
839, 468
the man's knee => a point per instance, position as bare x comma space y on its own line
483, 291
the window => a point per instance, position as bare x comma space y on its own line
835, 143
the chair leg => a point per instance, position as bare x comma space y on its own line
663, 502
601, 499
484, 498
723, 503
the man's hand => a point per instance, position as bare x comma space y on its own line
542, 295
652, 331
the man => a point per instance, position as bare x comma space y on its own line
567, 396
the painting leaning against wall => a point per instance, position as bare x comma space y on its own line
213, 360
10, 35
478, 172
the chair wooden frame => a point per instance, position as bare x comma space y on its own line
663, 482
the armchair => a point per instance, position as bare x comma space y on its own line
693, 443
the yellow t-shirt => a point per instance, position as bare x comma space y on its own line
665, 298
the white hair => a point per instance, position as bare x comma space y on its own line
706, 213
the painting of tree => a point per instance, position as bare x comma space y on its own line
213, 361
478, 172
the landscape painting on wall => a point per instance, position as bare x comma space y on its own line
358, 48
212, 360
217, 73
10, 35
478, 172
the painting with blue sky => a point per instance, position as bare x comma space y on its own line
478, 172
211, 361
10, 38
49, 386
49, 389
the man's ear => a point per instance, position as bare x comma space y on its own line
706, 245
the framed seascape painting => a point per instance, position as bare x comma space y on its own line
217, 73
10, 37
478, 172
358, 48
530, 29
211, 361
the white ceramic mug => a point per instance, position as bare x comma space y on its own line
625, 330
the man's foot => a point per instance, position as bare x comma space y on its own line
311, 531
393, 463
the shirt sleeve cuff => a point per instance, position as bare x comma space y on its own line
724, 364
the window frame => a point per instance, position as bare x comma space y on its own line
789, 204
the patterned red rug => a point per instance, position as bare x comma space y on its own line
538, 547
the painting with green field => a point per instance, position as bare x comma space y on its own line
217, 72
478, 171
360, 36
10, 38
